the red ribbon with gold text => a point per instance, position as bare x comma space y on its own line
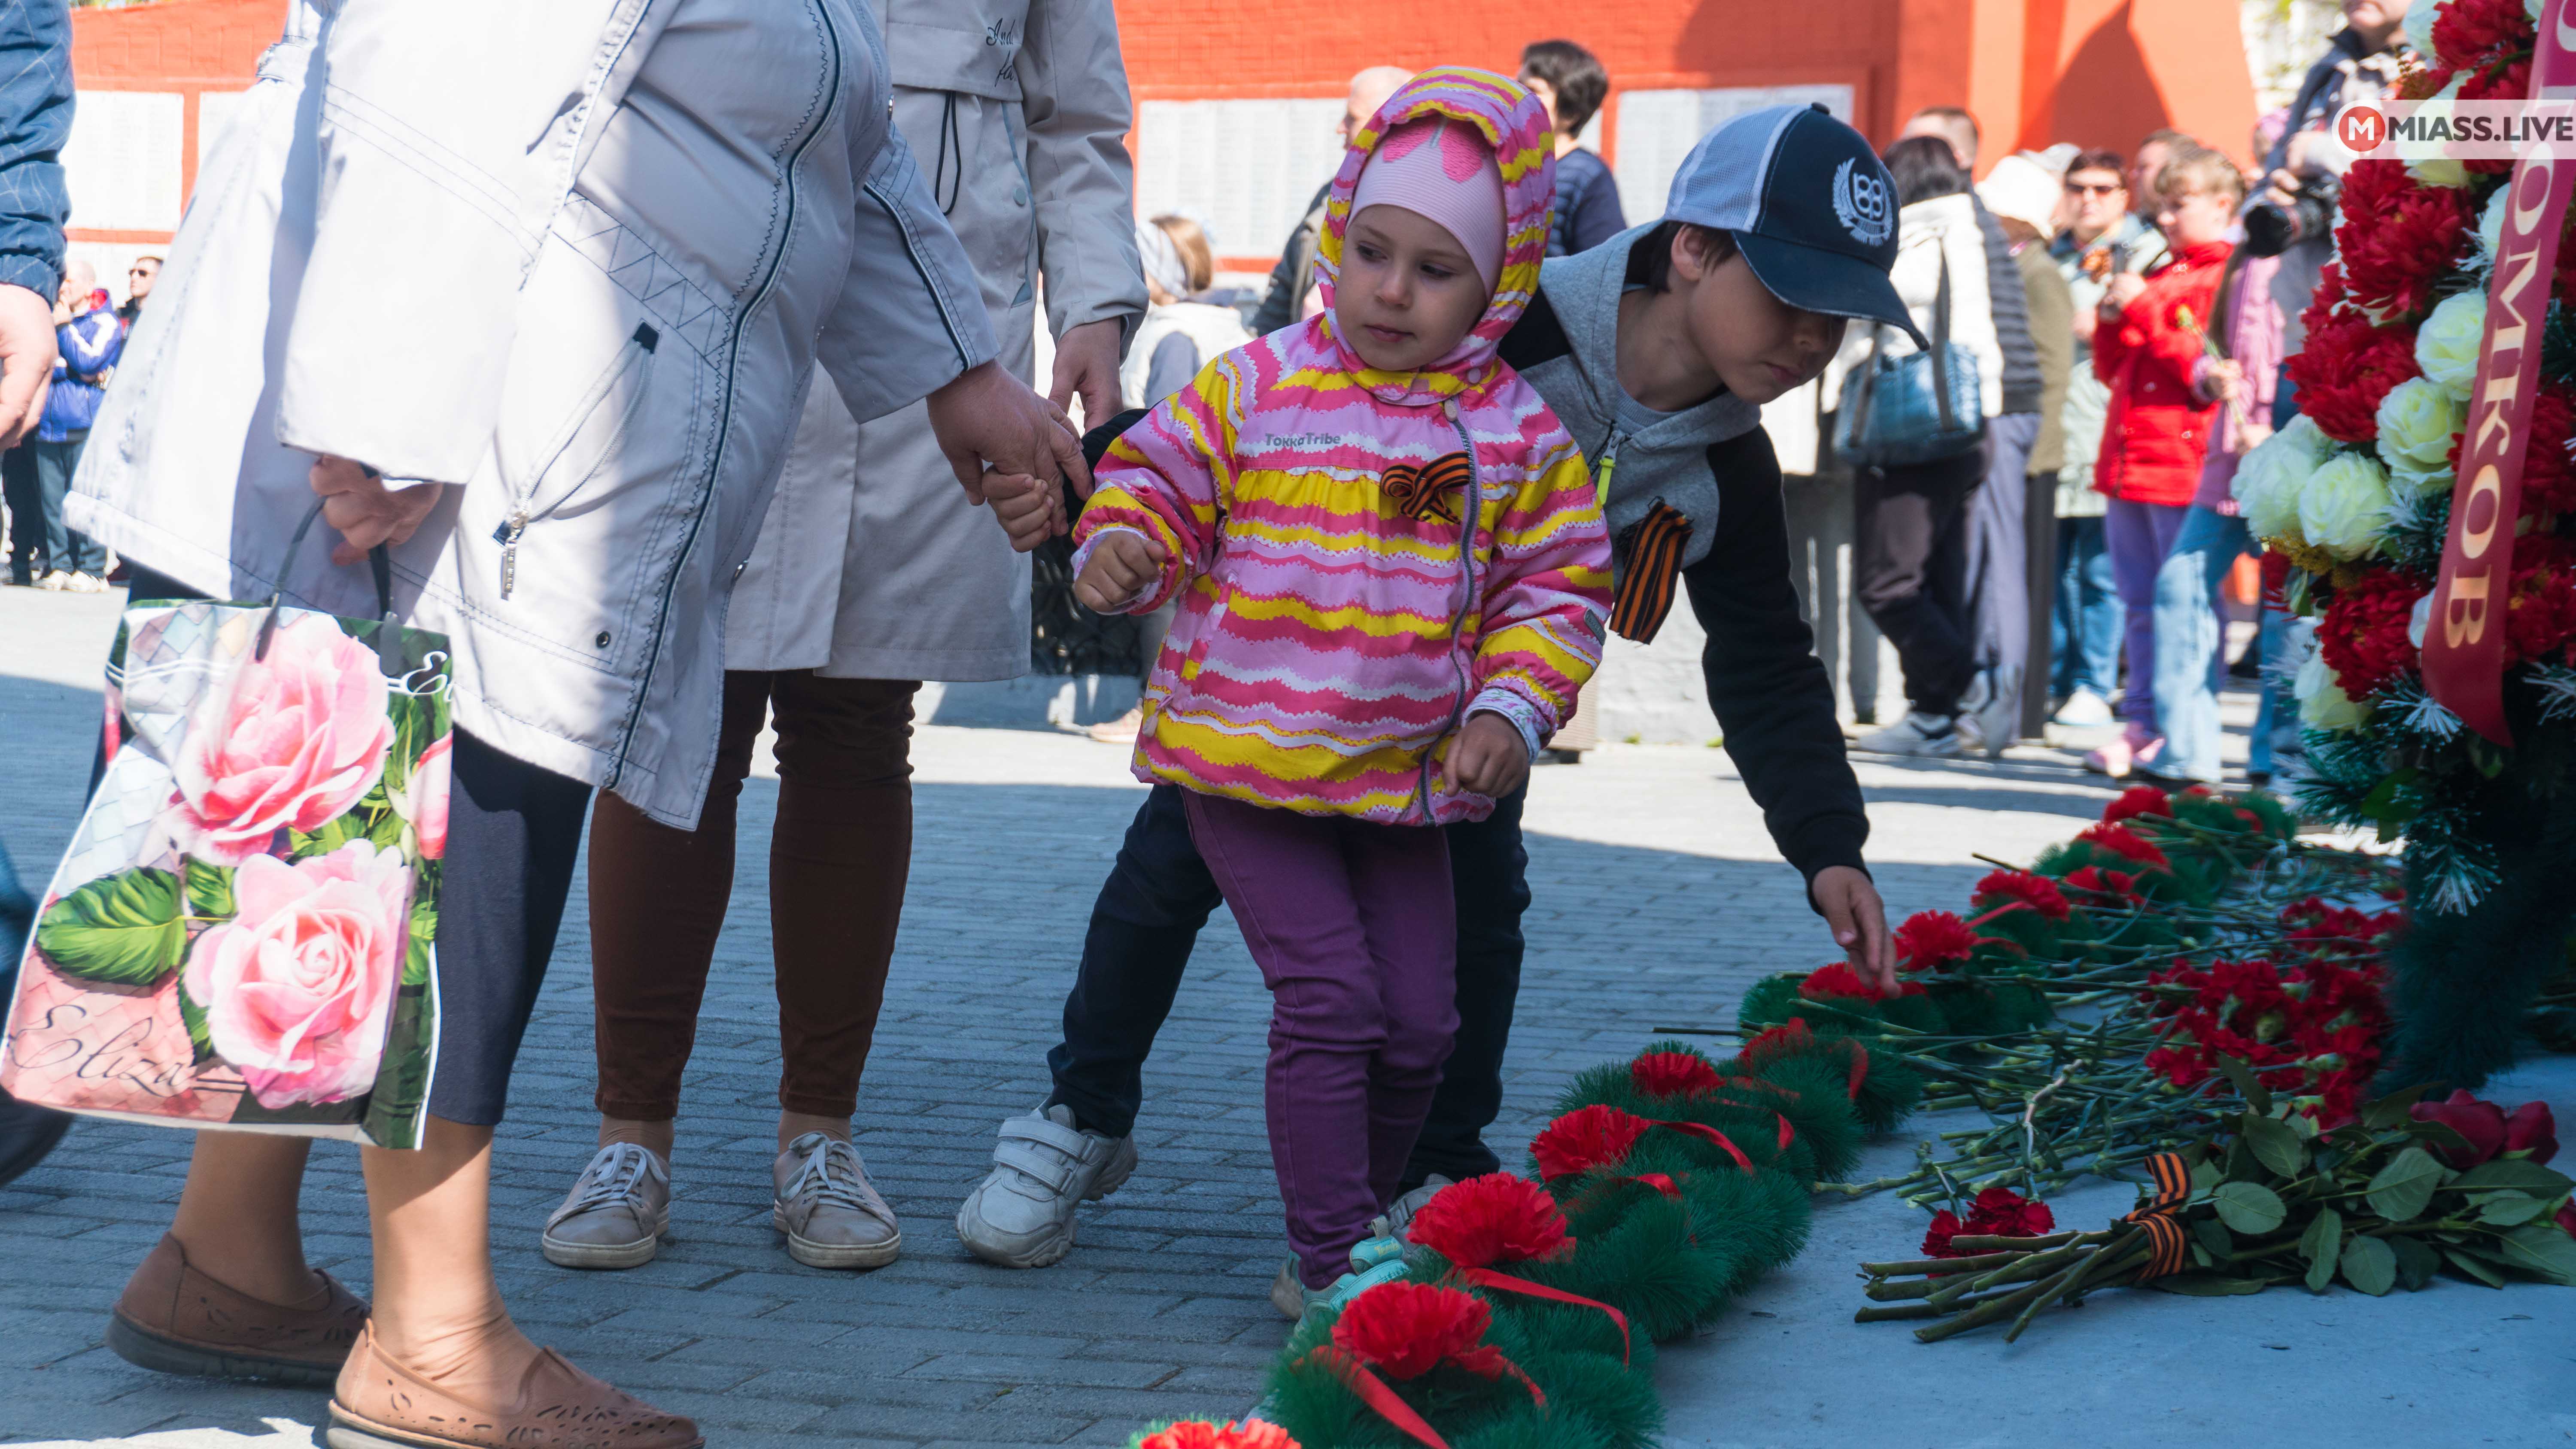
2464, 641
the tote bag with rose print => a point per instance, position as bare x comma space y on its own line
241, 932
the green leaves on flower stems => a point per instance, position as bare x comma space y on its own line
2242, 1078
2511, 1210
2276, 1143
2401, 1190
2209, 1285
124, 929
2370, 1265
2416, 1261
2520, 1173
2249, 1207
2391, 1110
2474, 1266
210, 889
2322, 1246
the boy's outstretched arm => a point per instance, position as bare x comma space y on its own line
1775, 703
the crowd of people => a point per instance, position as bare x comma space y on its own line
2125, 323
36, 475
1386, 511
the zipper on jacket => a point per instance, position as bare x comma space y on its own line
524, 507
733, 363
1473, 516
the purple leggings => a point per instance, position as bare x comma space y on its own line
1354, 928
2137, 536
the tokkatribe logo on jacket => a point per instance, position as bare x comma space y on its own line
1860, 204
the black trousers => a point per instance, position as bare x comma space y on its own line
1148, 916
1909, 570
22, 487
513, 831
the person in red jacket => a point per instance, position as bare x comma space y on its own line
2148, 349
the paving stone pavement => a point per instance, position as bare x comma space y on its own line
1658, 900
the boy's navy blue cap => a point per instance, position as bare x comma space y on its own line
1811, 206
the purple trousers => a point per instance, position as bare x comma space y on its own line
1355, 929
2137, 536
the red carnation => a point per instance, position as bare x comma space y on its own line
2472, 32
1405, 1330
2540, 607
1496, 1218
2398, 238
1673, 1074
1934, 938
1786, 1040
2038, 892
2347, 367
2363, 634
2276, 578
1998, 1212
1839, 982
2122, 841
1201, 1434
1596, 1136
2135, 801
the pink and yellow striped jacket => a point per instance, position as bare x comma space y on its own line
1344, 607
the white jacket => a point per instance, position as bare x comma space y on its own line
579, 257
1929, 233
871, 565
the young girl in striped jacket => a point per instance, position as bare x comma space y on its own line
1393, 574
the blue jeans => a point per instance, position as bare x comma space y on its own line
2084, 628
2191, 654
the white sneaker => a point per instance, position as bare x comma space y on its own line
1021, 1214
1399, 1214
830, 1212
1990, 710
616, 1213
2083, 710
55, 582
1916, 734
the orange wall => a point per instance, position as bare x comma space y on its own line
177, 46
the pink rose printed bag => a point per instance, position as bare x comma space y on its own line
241, 934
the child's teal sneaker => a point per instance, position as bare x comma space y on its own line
1374, 1260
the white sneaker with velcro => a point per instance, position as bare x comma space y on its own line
1021, 1214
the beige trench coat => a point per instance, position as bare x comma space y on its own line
870, 565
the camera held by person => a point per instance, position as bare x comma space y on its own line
2291, 213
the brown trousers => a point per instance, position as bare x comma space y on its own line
838, 859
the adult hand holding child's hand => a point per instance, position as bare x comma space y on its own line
1030, 509
1490, 758
1122, 565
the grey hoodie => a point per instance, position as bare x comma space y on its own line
1668, 460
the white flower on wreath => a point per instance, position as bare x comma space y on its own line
2418, 622
2322, 703
2344, 507
2272, 475
2418, 26
2446, 346
2417, 422
2491, 228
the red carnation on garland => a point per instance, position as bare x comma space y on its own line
2038, 892
1934, 938
1839, 982
1405, 1330
1998, 1212
2122, 841
2135, 801
1596, 1136
2399, 237
2548, 472
1202, 1434
1785, 1040
1673, 1074
1496, 1218
2346, 368
2363, 634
